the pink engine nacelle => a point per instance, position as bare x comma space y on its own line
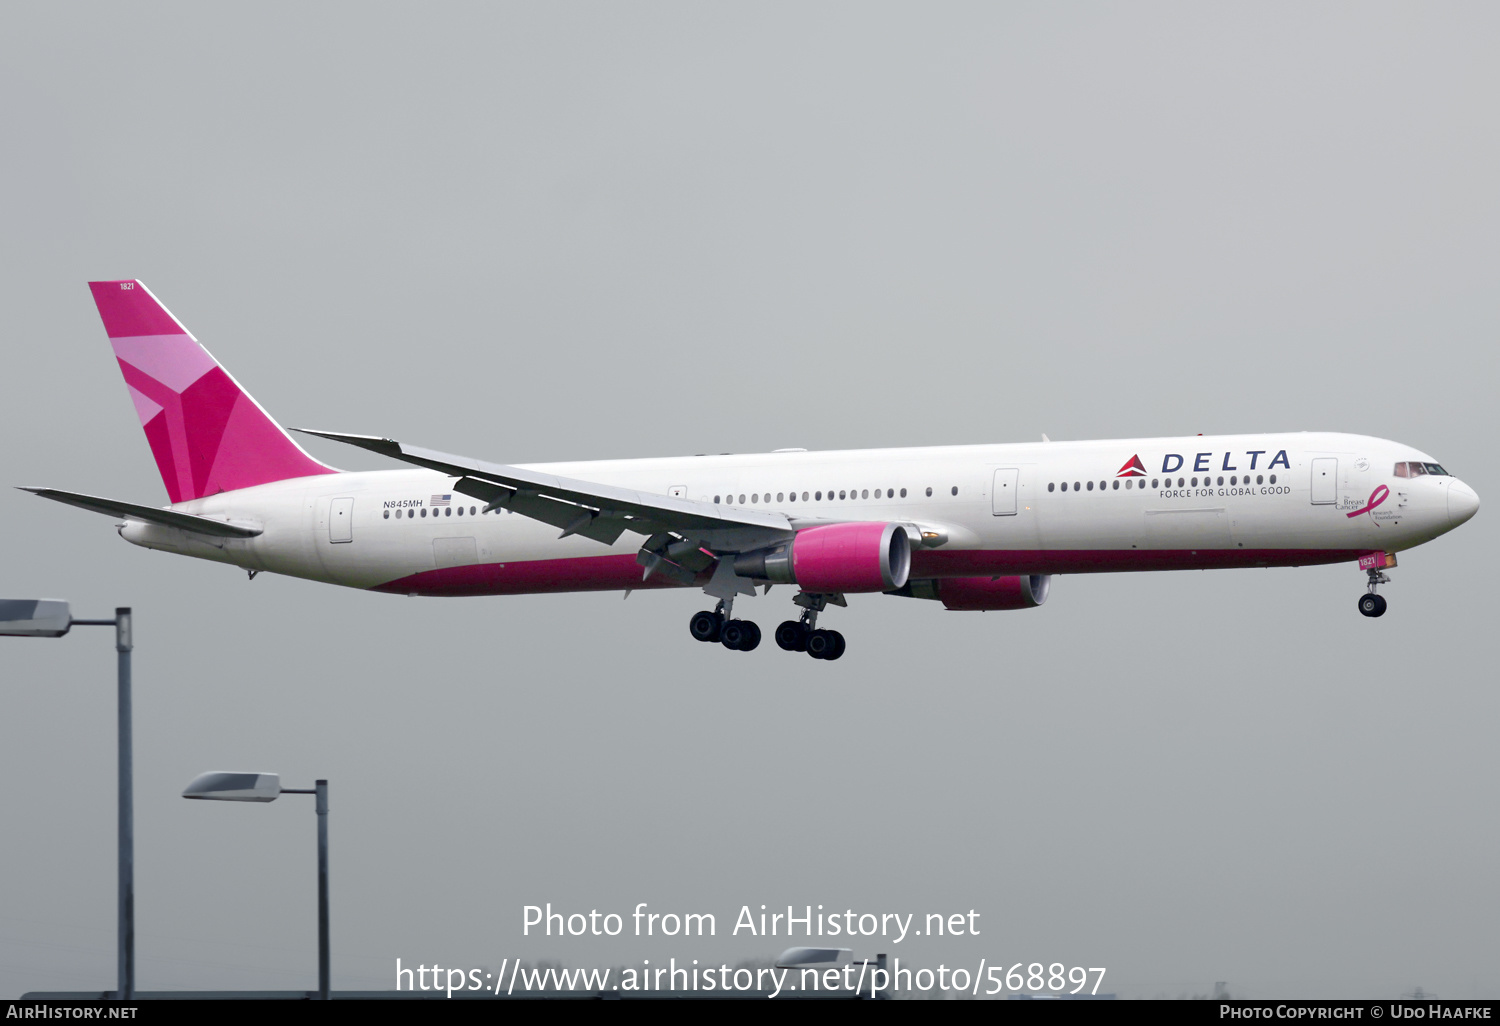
836, 558
983, 593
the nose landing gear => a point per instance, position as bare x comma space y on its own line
1371, 604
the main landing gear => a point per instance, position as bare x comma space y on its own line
793, 635
804, 636
799, 636
1370, 603
735, 635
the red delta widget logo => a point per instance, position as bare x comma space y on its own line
1203, 461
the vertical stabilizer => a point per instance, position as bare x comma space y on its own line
207, 434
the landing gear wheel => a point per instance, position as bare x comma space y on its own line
792, 636
825, 644
705, 626
1372, 605
740, 635
752, 636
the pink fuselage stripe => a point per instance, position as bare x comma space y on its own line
622, 572
533, 577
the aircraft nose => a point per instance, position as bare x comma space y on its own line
1463, 502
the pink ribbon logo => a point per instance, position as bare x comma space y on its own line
1378, 496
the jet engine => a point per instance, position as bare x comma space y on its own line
835, 558
983, 592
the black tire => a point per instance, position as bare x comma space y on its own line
705, 626
752, 636
733, 635
819, 644
1371, 605
838, 646
792, 636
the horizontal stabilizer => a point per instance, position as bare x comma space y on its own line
150, 514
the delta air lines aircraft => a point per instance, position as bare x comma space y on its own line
976, 527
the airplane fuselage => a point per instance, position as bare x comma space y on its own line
986, 510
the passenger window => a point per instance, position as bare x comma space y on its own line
929, 491
1221, 480
865, 494
1117, 484
1091, 486
424, 511
1273, 478
387, 514
955, 489
843, 494
1051, 485
903, 493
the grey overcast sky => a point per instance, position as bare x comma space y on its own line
569, 231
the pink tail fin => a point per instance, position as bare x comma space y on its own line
207, 434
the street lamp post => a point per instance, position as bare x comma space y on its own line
266, 787
51, 618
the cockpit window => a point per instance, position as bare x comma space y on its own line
1415, 469
1433, 468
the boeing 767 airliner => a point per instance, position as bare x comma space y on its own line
977, 527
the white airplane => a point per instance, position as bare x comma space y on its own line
978, 527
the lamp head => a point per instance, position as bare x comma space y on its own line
220, 786
813, 958
34, 618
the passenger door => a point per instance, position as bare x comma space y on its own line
341, 521
1003, 492
1325, 481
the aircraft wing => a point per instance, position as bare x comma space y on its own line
150, 514
598, 511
